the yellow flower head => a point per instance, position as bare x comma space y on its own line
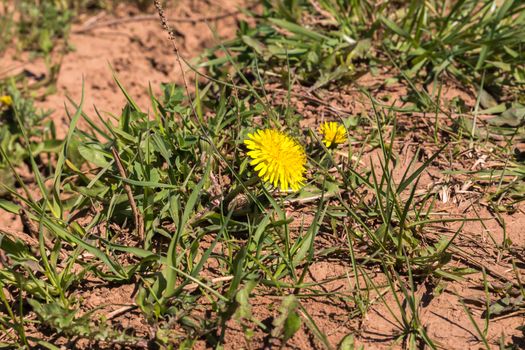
6, 100
333, 133
277, 158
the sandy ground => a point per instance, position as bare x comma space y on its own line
141, 55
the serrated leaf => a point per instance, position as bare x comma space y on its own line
486, 100
288, 321
244, 309
513, 117
505, 305
93, 155
348, 343
254, 44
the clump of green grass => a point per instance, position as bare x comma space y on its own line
469, 44
475, 43
156, 177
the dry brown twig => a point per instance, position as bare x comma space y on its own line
90, 25
165, 25
29, 239
21, 236
120, 311
460, 255
139, 220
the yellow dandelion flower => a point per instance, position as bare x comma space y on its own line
6, 100
333, 133
277, 158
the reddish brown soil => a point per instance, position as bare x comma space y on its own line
140, 54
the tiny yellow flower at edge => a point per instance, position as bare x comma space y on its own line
333, 134
277, 158
6, 100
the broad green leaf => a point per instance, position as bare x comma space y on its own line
94, 155
288, 322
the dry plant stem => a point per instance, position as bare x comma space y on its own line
314, 198
21, 236
121, 311
139, 221
142, 18
165, 25
28, 224
28, 240
190, 287
33, 231
469, 260
193, 286
167, 28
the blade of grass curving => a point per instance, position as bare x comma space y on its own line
476, 327
299, 30
171, 271
404, 214
205, 256
124, 91
57, 203
91, 123
310, 323
403, 185
199, 282
302, 248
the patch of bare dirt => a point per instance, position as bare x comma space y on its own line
133, 45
